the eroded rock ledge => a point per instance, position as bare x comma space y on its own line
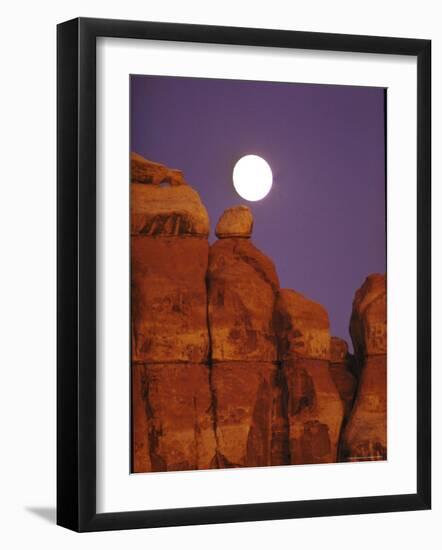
162, 204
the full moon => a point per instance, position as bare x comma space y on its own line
252, 178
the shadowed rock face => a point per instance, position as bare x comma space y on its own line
172, 418
174, 428
341, 370
244, 403
314, 409
280, 451
365, 436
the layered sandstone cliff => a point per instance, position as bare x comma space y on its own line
229, 370
172, 420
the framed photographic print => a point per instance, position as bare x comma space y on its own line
243, 218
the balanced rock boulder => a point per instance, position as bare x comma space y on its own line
170, 339
365, 436
235, 222
314, 409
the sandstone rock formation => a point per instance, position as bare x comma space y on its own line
315, 410
147, 171
164, 210
229, 370
342, 373
365, 436
235, 222
170, 340
242, 284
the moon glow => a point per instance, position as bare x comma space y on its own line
252, 177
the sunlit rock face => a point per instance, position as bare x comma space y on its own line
235, 222
314, 407
172, 402
169, 300
365, 436
162, 204
242, 285
169, 258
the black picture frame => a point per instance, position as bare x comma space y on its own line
76, 274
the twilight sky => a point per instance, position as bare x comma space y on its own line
323, 222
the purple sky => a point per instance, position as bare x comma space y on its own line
323, 222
